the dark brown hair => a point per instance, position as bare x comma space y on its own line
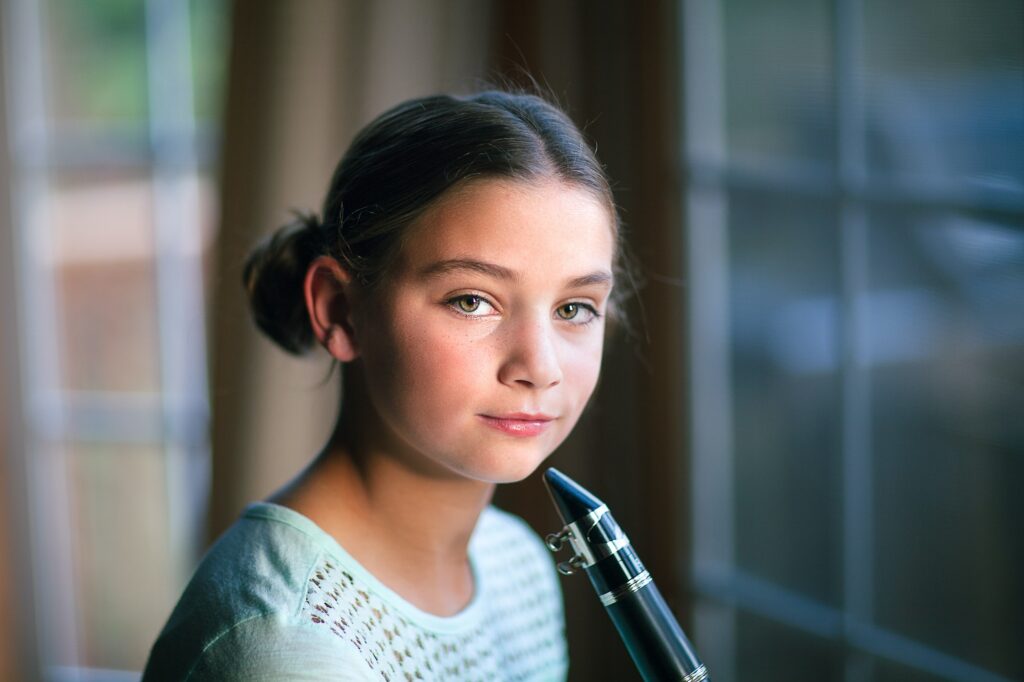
395, 168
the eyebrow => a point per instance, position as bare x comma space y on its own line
494, 271
443, 267
599, 277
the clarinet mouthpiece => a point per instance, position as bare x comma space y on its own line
572, 500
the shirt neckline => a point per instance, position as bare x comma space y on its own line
464, 619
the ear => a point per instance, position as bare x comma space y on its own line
328, 291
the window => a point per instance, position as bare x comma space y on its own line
855, 194
112, 112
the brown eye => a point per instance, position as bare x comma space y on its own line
568, 311
468, 304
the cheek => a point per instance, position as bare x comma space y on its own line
431, 361
581, 367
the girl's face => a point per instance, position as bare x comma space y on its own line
483, 347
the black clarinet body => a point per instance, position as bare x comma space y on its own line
651, 634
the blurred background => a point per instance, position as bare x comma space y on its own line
814, 437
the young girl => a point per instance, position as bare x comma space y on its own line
462, 270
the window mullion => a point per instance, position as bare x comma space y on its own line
707, 261
855, 426
57, 636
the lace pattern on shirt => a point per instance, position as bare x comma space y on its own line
518, 637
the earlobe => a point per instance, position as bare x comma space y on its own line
327, 290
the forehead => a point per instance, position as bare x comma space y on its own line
542, 227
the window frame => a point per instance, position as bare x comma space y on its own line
721, 587
174, 419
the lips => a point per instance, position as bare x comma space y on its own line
519, 424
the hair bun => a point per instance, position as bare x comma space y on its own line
273, 278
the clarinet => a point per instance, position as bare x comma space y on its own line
656, 643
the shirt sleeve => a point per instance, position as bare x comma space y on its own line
263, 649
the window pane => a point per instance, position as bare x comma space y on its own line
945, 90
209, 33
123, 566
772, 652
778, 82
886, 671
103, 262
783, 299
97, 62
945, 335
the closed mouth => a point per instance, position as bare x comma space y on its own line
521, 416
518, 424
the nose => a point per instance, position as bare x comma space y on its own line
531, 357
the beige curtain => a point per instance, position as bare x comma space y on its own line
304, 77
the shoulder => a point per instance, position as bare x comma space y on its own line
524, 599
513, 558
243, 597
497, 526
271, 648
501, 533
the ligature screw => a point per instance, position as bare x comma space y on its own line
571, 566
555, 541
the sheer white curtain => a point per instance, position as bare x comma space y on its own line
16, 624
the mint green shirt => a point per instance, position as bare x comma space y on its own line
277, 598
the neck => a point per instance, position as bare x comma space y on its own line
430, 517
405, 522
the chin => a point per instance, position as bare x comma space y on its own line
503, 467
